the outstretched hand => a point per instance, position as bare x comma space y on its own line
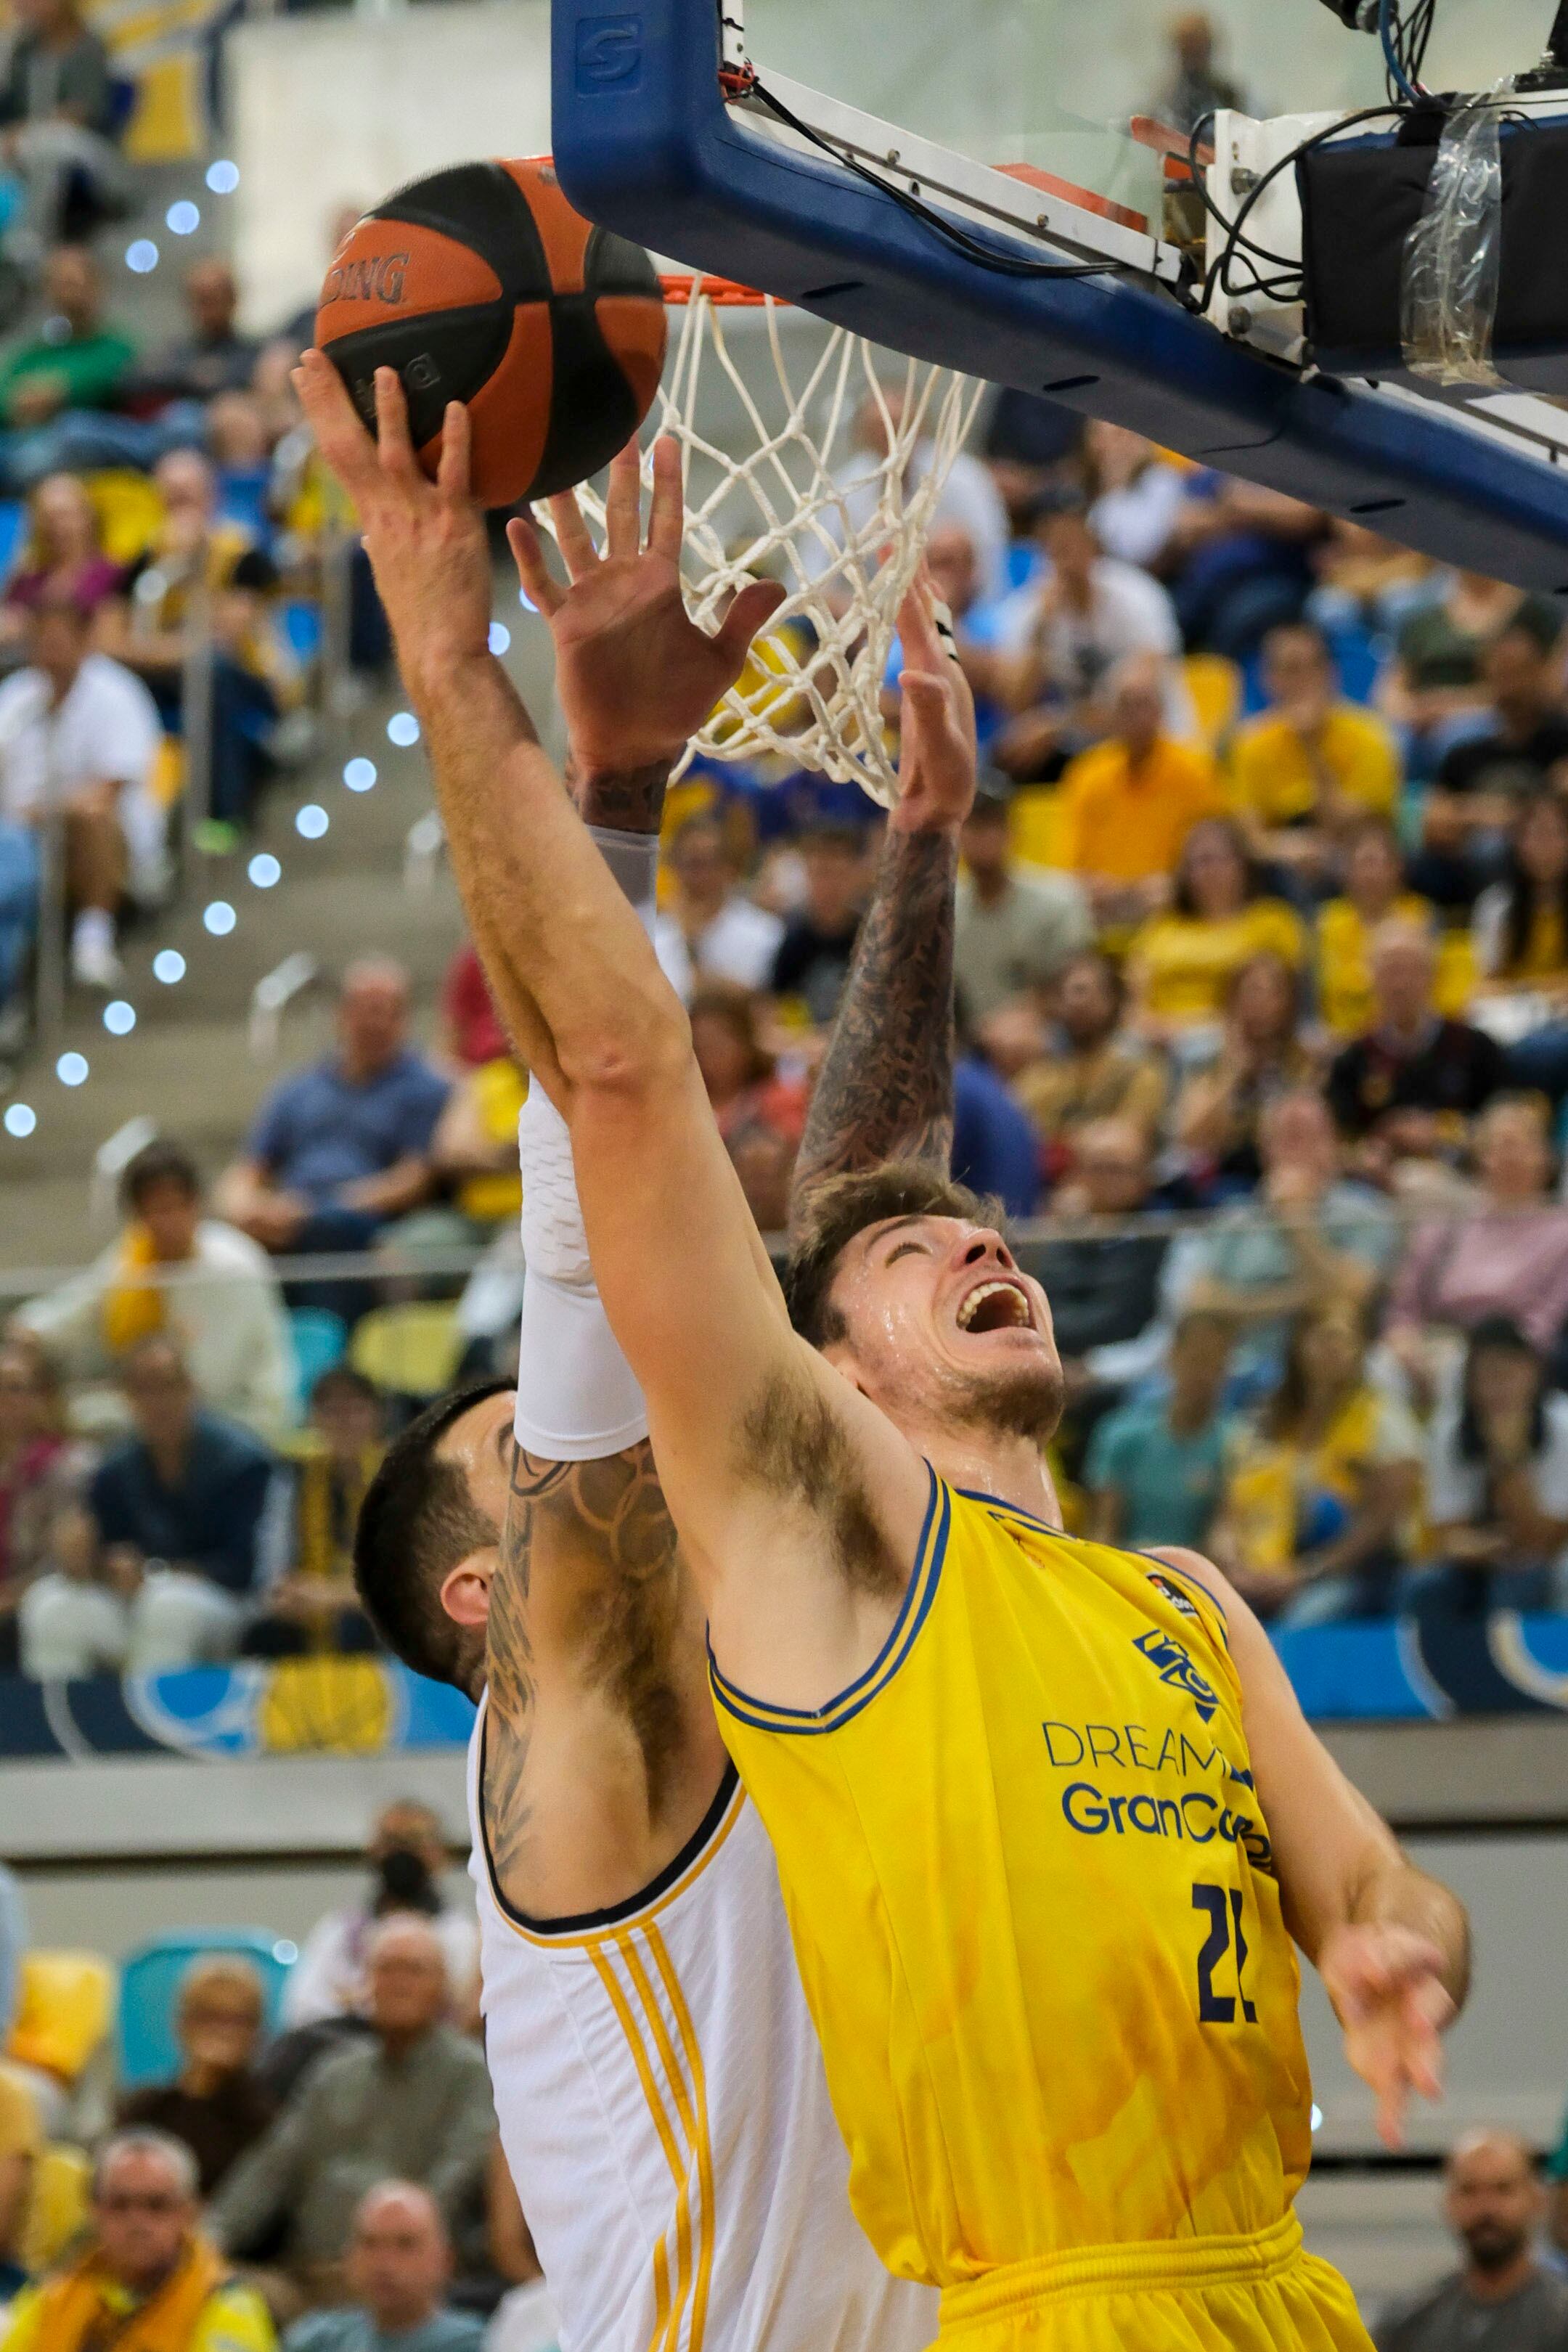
1387, 1990
634, 674
426, 539
937, 757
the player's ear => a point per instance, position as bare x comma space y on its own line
466, 1589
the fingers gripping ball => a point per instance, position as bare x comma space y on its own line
482, 284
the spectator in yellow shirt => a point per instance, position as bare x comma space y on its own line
1181, 962
1312, 763
1374, 894
147, 2280
1129, 803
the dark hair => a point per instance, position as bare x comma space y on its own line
738, 1009
1302, 627
1277, 964
847, 1205
1503, 1336
159, 1162
1520, 889
343, 1376
1105, 968
1281, 1416
1181, 899
418, 1520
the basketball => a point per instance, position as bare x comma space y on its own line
480, 283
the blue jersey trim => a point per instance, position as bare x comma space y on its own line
913, 1610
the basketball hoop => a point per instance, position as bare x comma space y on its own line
843, 527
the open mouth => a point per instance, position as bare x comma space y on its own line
996, 1306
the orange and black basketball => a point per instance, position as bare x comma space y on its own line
479, 283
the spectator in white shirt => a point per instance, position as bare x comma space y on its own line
218, 1298
408, 1854
1058, 639
712, 932
1138, 493
968, 500
79, 737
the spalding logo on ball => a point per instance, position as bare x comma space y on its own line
479, 283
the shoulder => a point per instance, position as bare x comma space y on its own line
235, 2320
112, 686
1273, 921
411, 1073
318, 2331
1410, 2311
20, 691
218, 1245
228, 1443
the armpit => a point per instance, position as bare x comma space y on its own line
793, 1443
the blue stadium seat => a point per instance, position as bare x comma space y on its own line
150, 1983
13, 527
320, 1338
300, 622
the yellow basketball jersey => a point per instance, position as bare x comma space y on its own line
1034, 1909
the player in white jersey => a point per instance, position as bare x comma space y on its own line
660, 2088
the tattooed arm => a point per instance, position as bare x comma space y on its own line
885, 1090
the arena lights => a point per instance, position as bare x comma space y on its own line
264, 870
360, 775
1317, 2117
312, 821
142, 255
168, 965
223, 177
403, 729
526, 601
119, 1018
71, 1069
21, 1118
219, 918
183, 219
501, 638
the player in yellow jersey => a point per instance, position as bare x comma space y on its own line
1047, 1816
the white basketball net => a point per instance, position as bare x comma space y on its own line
842, 526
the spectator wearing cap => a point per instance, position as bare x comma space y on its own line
173, 1271
1089, 1066
148, 2280
1013, 932
711, 930
79, 743
215, 2105
397, 2273
1502, 2298
1312, 764
342, 1149
410, 2098
1407, 1090
1128, 804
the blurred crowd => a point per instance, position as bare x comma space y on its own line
164, 527
264, 2150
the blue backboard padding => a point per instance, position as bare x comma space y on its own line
644, 143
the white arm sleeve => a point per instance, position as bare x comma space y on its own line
577, 1398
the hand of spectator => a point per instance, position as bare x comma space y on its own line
937, 772
1387, 1987
274, 1219
426, 539
634, 674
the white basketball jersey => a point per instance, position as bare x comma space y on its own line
663, 2108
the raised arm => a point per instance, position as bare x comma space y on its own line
686, 1285
885, 1089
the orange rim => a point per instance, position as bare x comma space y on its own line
680, 285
